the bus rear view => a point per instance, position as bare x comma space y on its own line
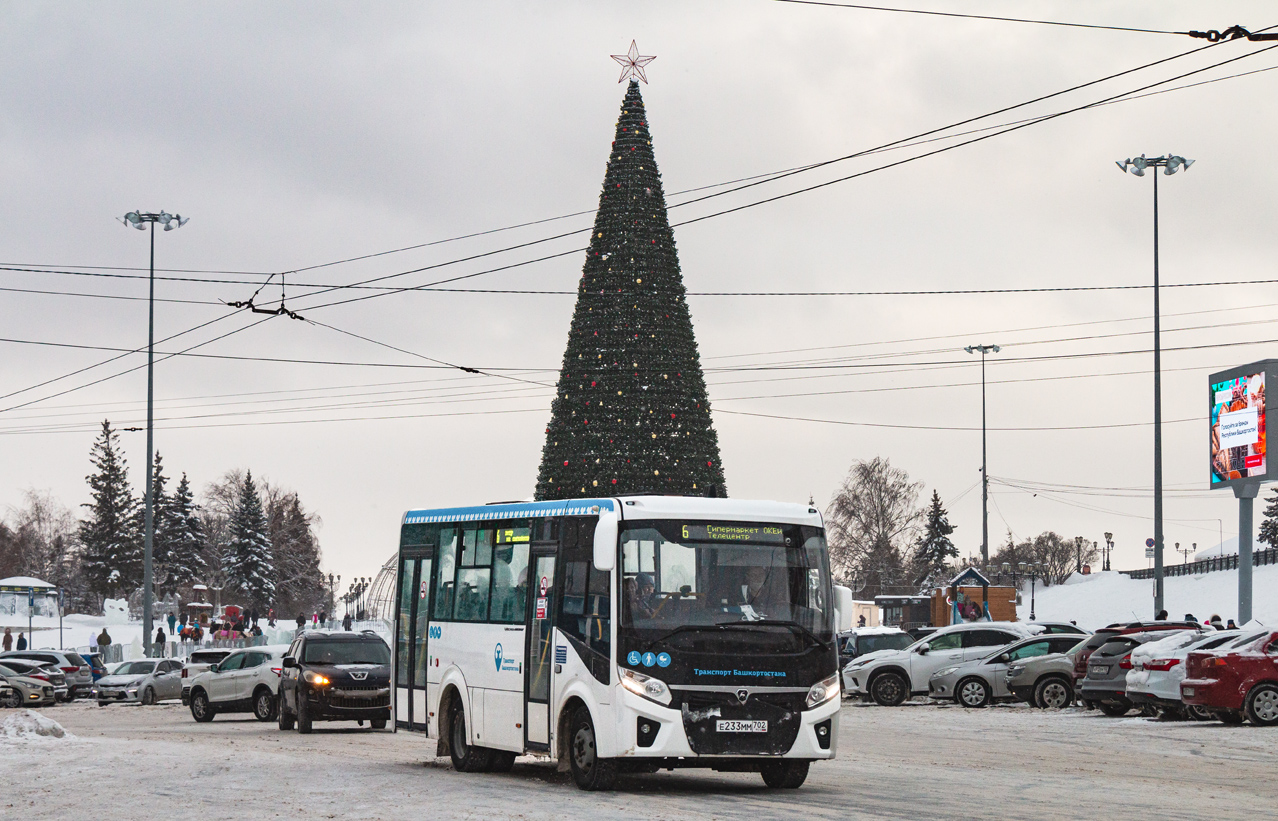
631, 635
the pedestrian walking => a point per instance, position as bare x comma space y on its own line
1231, 625
8, 639
159, 642
1215, 621
324, 618
346, 622
172, 625
22, 642
301, 622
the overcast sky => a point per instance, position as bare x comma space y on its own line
298, 134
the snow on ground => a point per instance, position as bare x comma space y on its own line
27, 724
1106, 597
913, 761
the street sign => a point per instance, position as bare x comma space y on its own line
1149, 553
30, 597
1149, 543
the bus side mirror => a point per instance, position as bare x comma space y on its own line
843, 608
606, 540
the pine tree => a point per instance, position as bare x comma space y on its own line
934, 549
1269, 524
249, 563
631, 414
112, 558
183, 537
299, 585
160, 514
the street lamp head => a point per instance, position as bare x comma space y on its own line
1109, 536
1175, 163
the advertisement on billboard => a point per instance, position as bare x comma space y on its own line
1238, 442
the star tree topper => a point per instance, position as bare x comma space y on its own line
632, 64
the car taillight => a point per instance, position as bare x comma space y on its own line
1161, 664
69, 669
1216, 661
1126, 662
40, 676
277, 670
183, 672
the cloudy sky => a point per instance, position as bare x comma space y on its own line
297, 135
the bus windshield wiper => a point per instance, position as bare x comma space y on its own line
793, 625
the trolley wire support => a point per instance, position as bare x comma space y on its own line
1233, 33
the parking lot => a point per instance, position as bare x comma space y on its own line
915, 761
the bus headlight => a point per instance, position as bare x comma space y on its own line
653, 689
823, 691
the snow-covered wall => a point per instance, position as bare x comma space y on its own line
1103, 598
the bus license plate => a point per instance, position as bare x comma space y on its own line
742, 726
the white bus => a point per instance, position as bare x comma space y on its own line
621, 635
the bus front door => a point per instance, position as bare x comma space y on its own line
540, 651
412, 629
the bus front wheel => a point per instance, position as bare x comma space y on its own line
467, 758
589, 770
785, 775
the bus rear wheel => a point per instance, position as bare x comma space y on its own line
785, 775
589, 770
467, 758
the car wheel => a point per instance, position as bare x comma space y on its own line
377, 723
1053, 694
201, 710
889, 690
1262, 705
500, 761
12, 700
589, 770
1230, 716
785, 775
303, 714
264, 705
284, 718
148, 697
1199, 713
972, 692
467, 758
1114, 709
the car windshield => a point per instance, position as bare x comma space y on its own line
693, 574
135, 668
883, 641
373, 651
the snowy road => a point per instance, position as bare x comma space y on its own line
916, 761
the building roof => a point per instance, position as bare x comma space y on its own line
25, 582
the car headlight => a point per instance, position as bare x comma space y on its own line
945, 672
315, 678
653, 689
823, 691
133, 691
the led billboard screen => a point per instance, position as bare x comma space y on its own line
1238, 442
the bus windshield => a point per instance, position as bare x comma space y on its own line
708, 574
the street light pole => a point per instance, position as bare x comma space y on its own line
141, 221
1170, 165
985, 473
1109, 548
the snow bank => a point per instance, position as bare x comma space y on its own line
1106, 597
27, 724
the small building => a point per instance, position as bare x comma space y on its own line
16, 592
969, 597
867, 610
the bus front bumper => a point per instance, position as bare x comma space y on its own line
646, 729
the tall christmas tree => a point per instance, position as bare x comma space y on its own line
631, 413
183, 537
248, 560
112, 559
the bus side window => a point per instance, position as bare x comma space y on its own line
444, 586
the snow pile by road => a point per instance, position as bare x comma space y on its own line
1107, 597
27, 724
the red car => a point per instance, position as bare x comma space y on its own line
1234, 683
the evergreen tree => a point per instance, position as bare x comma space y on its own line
249, 563
112, 557
1269, 524
299, 585
183, 537
631, 413
934, 549
160, 514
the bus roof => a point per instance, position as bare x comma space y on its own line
631, 507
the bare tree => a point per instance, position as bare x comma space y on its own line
871, 521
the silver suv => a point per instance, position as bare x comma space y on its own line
75, 669
889, 677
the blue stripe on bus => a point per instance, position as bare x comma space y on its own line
571, 507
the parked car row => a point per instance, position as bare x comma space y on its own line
76, 676
1173, 669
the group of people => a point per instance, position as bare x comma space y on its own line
1214, 622
8, 640
319, 620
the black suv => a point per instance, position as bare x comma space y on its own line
335, 676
